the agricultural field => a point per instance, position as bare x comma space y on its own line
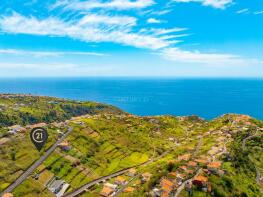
18, 154
106, 140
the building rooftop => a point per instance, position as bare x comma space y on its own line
172, 174
8, 195
183, 168
132, 171
185, 157
165, 194
192, 164
201, 178
120, 179
106, 191
129, 189
146, 175
201, 161
64, 143
214, 165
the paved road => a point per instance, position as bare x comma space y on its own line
88, 185
179, 189
126, 185
101, 179
36, 164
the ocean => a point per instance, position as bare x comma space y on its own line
207, 98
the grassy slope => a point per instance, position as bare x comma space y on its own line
107, 143
240, 177
16, 109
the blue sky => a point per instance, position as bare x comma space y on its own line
173, 38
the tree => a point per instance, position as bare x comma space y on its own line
13, 154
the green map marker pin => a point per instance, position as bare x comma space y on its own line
39, 137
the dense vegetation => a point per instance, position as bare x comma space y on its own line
243, 164
23, 110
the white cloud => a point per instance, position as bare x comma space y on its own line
219, 4
242, 11
161, 12
258, 12
109, 20
90, 28
113, 4
166, 37
17, 23
212, 59
167, 31
47, 53
153, 20
169, 35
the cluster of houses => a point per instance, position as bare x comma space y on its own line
191, 174
6, 96
194, 174
18, 129
12, 130
242, 119
110, 189
16, 106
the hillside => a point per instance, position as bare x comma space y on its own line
169, 155
26, 109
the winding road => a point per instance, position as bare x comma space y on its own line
248, 138
27, 173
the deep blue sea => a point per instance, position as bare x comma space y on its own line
207, 98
